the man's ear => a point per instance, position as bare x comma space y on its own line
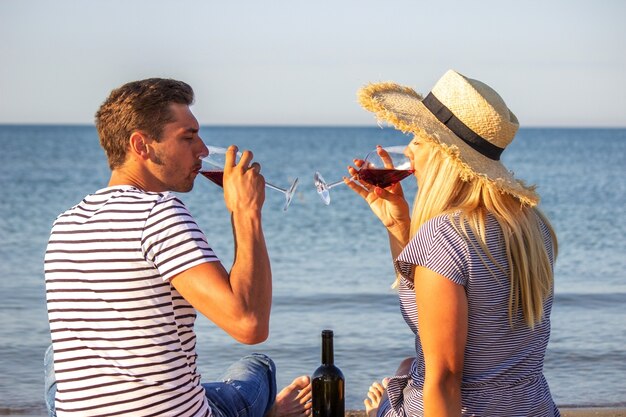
138, 143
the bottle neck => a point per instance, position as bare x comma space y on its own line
328, 357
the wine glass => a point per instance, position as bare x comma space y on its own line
374, 171
213, 169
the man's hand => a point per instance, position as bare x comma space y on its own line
244, 186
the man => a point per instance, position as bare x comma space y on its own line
127, 268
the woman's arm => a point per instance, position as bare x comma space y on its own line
442, 321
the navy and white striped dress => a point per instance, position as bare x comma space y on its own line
502, 374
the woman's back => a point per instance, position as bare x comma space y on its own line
503, 360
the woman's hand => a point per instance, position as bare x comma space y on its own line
389, 204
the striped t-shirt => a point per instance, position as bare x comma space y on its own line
122, 335
503, 365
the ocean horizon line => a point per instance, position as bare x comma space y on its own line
305, 126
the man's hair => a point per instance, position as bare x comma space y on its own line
137, 106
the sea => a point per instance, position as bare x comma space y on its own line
331, 265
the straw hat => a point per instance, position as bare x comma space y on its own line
465, 117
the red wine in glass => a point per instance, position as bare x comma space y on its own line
382, 177
213, 169
216, 176
374, 171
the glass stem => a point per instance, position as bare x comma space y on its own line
331, 185
273, 187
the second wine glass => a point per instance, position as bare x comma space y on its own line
374, 170
213, 169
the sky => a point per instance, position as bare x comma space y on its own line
293, 62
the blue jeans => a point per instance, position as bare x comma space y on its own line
248, 387
50, 384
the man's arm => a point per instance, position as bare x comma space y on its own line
240, 301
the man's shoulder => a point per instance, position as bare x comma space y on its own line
126, 195
119, 199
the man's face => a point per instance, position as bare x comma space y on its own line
175, 160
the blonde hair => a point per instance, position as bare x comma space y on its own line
446, 188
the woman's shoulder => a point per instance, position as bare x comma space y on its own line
439, 246
444, 220
434, 235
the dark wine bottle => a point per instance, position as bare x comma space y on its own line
328, 383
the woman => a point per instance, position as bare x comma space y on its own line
474, 259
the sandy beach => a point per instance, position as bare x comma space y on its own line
565, 412
588, 412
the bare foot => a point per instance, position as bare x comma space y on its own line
374, 397
294, 400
